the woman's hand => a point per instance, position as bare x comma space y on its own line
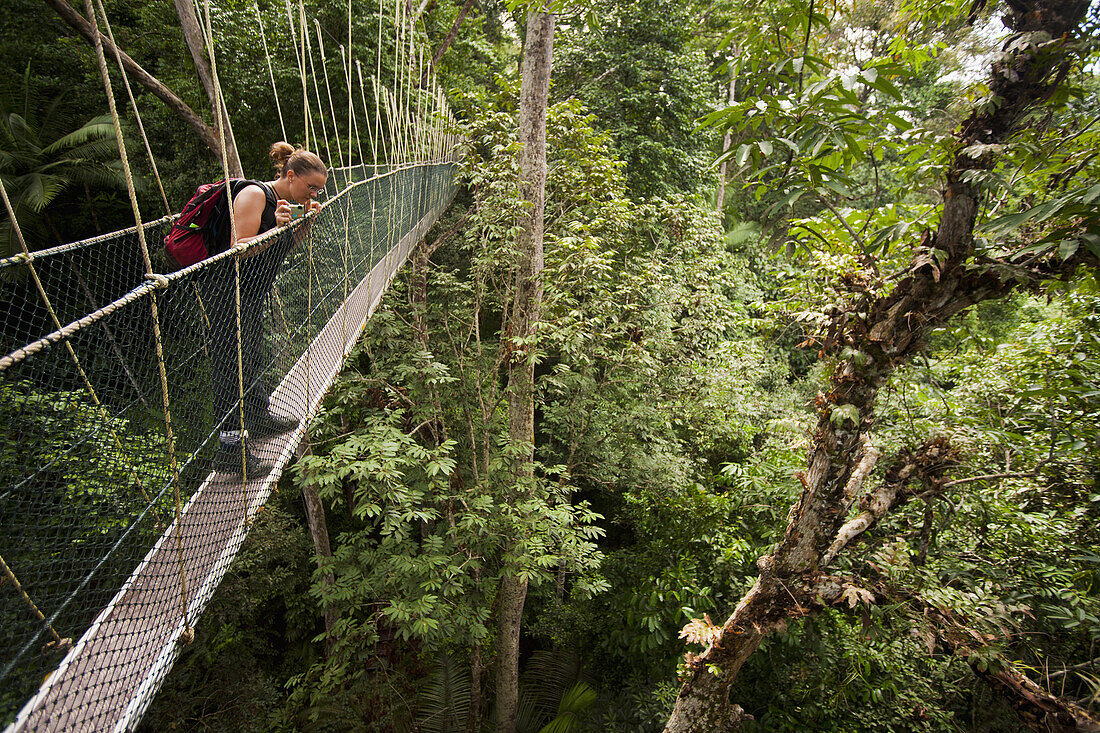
282, 213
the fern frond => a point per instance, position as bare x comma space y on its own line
444, 703
96, 128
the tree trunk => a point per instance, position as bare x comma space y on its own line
192, 35
726, 141
143, 77
473, 715
885, 331
525, 312
318, 527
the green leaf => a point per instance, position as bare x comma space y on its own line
1067, 248
844, 413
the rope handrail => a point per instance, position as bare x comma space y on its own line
92, 417
83, 243
407, 205
21, 259
146, 288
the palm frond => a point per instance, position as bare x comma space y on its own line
546, 677
99, 149
34, 233
8, 244
56, 117
103, 175
96, 128
444, 703
576, 700
22, 132
42, 189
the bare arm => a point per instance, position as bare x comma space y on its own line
248, 209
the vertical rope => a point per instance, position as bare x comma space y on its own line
381, 106
328, 91
387, 105
437, 137
378, 75
351, 111
307, 117
58, 642
421, 140
344, 256
293, 34
309, 304
153, 304
301, 71
366, 115
308, 51
133, 105
270, 70
223, 112
412, 111
353, 128
410, 62
398, 73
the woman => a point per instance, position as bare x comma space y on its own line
257, 208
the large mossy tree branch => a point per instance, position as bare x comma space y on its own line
884, 332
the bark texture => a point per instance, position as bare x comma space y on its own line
318, 528
885, 332
538, 51
208, 135
192, 36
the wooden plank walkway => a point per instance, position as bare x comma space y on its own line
110, 676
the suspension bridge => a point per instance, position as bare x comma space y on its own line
114, 530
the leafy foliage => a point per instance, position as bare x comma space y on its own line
42, 156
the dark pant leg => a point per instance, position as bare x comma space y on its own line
219, 293
257, 278
253, 355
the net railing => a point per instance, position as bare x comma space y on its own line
108, 558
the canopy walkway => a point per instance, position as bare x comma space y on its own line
114, 529
87, 488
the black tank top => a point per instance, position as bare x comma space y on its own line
267, 218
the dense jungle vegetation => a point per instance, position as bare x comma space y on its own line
774, 376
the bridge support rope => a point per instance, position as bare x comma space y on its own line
105, 472
129, 647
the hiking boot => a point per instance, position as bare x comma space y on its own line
267, 424
227, 459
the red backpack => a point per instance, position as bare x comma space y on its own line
192, 235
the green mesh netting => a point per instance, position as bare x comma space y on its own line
93, 596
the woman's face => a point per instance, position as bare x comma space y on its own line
306, 187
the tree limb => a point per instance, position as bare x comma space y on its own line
192, 36
927, 463
447, 41
1036, 707
143, 77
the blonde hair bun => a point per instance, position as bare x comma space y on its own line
287, 157
280, 153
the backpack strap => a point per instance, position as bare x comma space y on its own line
242, 183
220, 232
